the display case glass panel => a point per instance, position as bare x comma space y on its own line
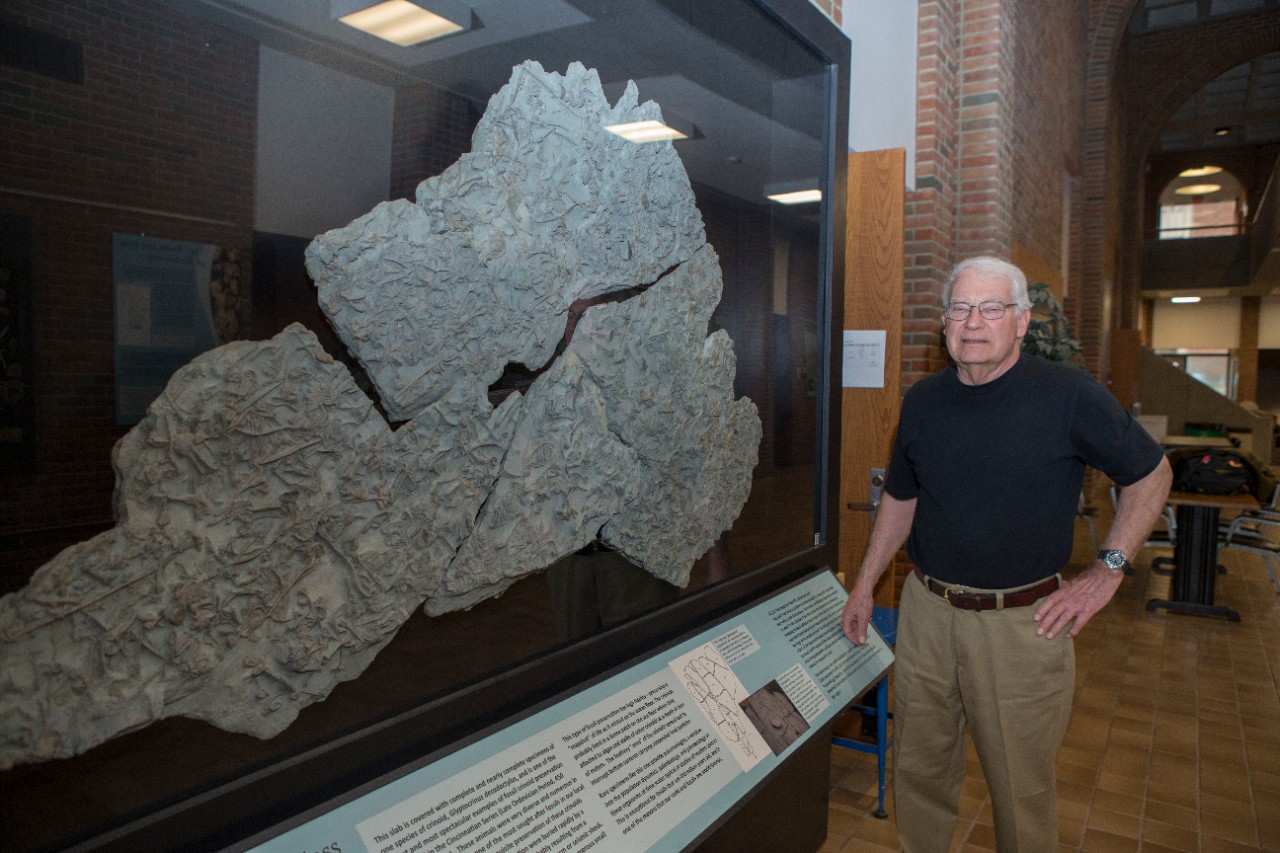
244, 128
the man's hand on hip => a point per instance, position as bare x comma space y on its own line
1077, 600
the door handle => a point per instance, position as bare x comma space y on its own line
877, 491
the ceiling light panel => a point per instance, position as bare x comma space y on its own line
797, 197
1198, 189
645, 131
403, 22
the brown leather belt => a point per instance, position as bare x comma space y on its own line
959, 597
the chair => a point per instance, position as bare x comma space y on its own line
885, 621
1258, 534
1269, 509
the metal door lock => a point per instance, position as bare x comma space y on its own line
877, 492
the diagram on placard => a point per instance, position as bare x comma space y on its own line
719, 693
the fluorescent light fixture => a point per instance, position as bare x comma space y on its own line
1200, 172
1185, 299
1198, 189
403, 22
796, 197
645, 131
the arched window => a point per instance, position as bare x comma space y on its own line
1202, 202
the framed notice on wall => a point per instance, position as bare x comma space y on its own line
163, 315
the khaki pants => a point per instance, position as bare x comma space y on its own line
1013, 688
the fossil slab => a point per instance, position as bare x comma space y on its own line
547, 208
633, 433
274, 531
271, 537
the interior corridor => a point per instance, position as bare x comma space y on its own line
1174, 742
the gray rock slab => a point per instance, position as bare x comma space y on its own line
274, 531
547, 208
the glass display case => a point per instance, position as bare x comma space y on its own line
244, 128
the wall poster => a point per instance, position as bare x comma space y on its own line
647, 759
163, 315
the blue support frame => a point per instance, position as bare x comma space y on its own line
885, 620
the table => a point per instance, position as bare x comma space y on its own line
1195, 553
1195, 441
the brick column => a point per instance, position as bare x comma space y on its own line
930, 219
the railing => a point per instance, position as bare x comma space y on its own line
1224, 230
1245, 259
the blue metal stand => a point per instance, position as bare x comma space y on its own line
885, 621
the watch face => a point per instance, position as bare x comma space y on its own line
1114, 559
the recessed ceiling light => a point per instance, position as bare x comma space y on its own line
1185, 299
1221, 131
1200, 172
797, 197
1198, 189
403, 22
645, 131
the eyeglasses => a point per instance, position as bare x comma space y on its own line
991, 309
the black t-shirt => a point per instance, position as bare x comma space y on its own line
996, 468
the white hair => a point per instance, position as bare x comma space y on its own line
991, 266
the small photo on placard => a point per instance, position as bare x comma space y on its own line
775, 716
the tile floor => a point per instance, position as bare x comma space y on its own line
1174, 742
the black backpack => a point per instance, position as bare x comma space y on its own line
1212, 471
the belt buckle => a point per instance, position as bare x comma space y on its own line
946, 595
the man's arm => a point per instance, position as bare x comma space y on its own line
1081, 597
893, 523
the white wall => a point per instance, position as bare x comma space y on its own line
882, 76
1212, 323
324, 146
1207, 324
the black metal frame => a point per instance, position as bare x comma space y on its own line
273, 798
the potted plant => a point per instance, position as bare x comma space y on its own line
1049, 334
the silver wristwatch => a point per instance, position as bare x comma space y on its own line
1115, 561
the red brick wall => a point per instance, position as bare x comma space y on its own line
985, 189
157, 139
1090, 305
430, 131
999, 124
1048, 122
930, 222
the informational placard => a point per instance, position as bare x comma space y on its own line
863, 357
163, 315
647, 759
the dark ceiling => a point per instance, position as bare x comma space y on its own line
1241, 106
1236, 112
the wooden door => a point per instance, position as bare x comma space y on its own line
872, 301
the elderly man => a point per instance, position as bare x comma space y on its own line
983, 487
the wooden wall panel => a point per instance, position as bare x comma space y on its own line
872, 300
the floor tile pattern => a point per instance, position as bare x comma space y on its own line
1174, 741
